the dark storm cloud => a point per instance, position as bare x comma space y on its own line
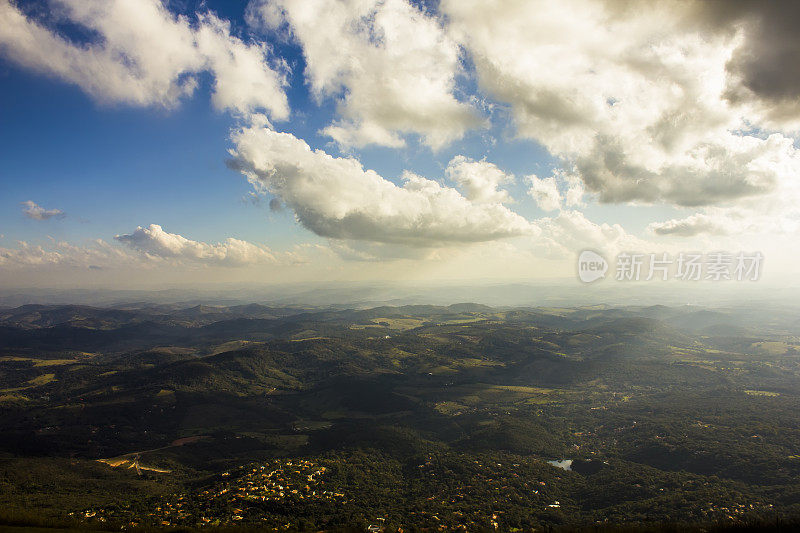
768, 61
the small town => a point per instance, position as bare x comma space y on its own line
230, 499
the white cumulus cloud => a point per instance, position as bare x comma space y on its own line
97, 254
154, 242
545, 192
570, 231
32, 210
479, 181
390, 66
338, 198
144, 55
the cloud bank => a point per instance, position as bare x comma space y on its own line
147, 247
154, 242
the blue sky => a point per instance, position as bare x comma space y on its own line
573, 146
113, 167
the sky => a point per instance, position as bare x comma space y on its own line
147, 143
